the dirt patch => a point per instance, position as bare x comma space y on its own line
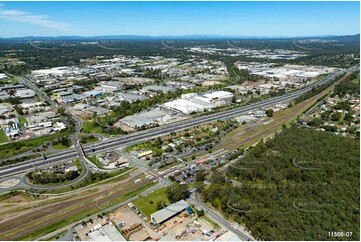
123, 127
9, 183
125, 217
210, 83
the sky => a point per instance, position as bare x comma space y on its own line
179, 18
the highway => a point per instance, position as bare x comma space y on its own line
160, 131
78, 126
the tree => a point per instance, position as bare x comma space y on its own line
177, 192
160, 205
61, 110
200, 213
200, 176
269, 112
336, 116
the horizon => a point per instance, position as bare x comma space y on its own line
195, 36
157, 19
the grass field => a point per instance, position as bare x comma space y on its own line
90, 127
87, 139
9, 80
95, 161
3, 137
23, 121
60, 146
149, 204
14, 148
168, 166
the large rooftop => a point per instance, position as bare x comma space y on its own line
168, 212
136, 121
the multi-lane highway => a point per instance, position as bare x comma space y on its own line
160, 131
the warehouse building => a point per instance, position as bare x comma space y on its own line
136, 121
169, 212
110, 87
2, 76
188, 106
25, 93
220, 97
158, 88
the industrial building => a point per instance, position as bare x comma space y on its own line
92, 93
130, 96
136, 121
106, 232
193, 102
110, 87
188, 106
25, 93
220, 98
2, 76
158, 88
169, 212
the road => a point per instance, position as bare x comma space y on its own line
78, 126
126, 140
194, 199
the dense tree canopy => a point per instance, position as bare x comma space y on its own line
298, 186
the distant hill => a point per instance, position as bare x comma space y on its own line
355, 37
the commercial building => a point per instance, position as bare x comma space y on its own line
169, 212
25, 93
220, 97
193, 102
136, 121
188, 106
4, 109
145, 154
110, 87
130, 97
92, 93
158, 88
4, 95
2, 76
106, 232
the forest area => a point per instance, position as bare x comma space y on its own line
300, 185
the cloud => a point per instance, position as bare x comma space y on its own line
26, 17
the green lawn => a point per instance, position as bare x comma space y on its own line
23, 121
59, 146
149, 204
95, 161
86, 139
168, 166
91, 127
14, 148
9, 80
3, 137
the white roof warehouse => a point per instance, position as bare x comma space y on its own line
169, 212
